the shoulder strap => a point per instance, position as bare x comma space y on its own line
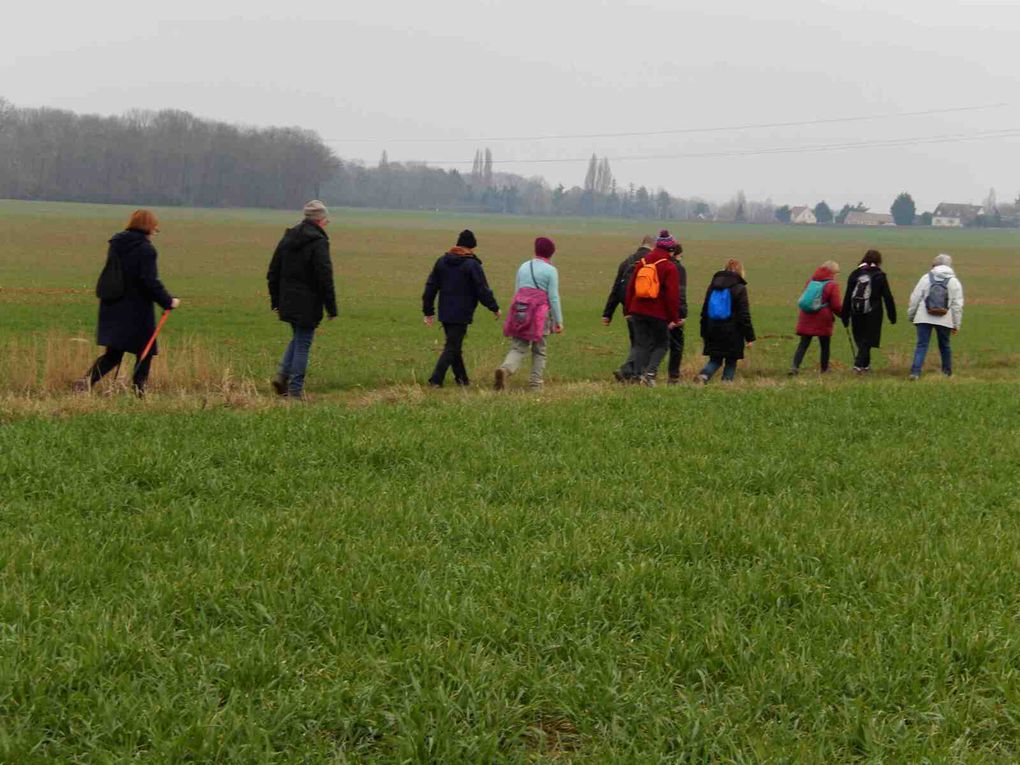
531, 265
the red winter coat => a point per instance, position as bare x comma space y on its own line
820, 324
667, 305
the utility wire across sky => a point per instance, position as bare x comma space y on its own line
678, 131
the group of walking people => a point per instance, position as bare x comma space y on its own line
650, 285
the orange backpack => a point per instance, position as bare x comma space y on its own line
646, 283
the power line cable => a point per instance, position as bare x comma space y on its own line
876, 144
678, 131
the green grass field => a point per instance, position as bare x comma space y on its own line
816, 570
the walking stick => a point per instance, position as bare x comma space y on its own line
853, 348
152, 340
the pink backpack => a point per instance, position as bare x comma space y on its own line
528, 312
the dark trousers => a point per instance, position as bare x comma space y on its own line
452, 355
111, 360
651, 337
629, 370
863, 358
676, 351
823, 342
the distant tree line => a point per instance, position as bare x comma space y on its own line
165, 158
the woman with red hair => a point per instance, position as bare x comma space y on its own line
126, 318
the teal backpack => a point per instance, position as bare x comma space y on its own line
811, 299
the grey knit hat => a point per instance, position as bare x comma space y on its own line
942, 260
315, 210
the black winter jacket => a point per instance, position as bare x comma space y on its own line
618, 292
867, 327
725, 338
128, 323
300, 276
460, 282
681, 273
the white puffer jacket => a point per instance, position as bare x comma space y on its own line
918, 313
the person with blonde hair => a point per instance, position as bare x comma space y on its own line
127, 289
725, 322
819, 305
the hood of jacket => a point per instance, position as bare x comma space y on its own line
656, 255
124, 241
822, 274
943, 273
305, 232
723, 280
455, 259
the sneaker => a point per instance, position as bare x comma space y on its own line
80, 386
914, 378
859, 370
435, 384
793, 372
648, 381
673, 381
279, 383
499, 379
701, 379
463, 383
618, 376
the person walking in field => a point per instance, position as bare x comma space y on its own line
301, 287
534, 314
618, 297
868, 299
127, 288
936, 304
818, 306
725, 322
676, 334
653, 305
459, 280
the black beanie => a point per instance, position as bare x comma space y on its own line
467, 239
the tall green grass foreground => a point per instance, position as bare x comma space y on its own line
761, 575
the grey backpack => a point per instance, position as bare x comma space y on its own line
860, 300
937, 301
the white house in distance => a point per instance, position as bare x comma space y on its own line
803, 215
856, 218
949, 215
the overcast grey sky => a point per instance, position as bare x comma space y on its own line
450, 69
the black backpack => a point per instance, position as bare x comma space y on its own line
110, 286
860, 300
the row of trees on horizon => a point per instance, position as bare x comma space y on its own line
174, 158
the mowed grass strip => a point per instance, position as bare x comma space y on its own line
718, 575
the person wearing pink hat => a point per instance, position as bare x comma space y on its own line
537, 273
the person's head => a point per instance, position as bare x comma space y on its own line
735, 266
942, 260
544, 247
872, 258
831, 266
668, 243
648, 242
466, 239
144, 221
316, 212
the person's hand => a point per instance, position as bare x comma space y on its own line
956, 331
330, 318
605, 321
496, 315
750, 343
558, 330
174, 303
429, 321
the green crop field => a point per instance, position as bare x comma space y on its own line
777, 571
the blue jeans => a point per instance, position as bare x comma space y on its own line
295, 358
923, 339
714, 362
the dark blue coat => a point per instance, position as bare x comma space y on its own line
460, 282
128, 323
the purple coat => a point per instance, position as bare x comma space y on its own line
128, 323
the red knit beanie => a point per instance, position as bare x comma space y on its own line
544, 247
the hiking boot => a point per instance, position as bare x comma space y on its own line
793, 372
463, 383
914, 378
434, 384
279, 383
673, 381
648, 380
701, 379
499, 379
81, 386
618, 376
